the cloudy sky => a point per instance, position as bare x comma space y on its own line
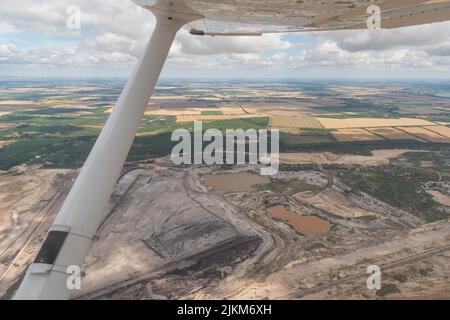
35, 42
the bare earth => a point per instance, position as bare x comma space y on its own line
317, 278
426, 134
332, 202
442, 130
190, 118
330, 123
234, 182
392, 133
203, 232
349, 135
440, 197
378, 157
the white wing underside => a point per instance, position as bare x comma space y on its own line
268, 16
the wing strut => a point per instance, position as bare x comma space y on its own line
69, 238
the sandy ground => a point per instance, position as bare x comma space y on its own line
378, 157
332, 202
158, 218
440, 197
297, 274
167, 235
28, 204
17, 195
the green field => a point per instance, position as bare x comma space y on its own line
211, 112
58, 132
63, 140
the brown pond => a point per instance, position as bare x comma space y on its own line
307, 225
234, 182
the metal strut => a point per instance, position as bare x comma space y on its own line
70, 237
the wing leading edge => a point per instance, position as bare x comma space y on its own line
222, 17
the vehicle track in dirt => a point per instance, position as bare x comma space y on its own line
390, 265
20, 254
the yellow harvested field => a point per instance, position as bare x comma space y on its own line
348, 135
392, 133
426, 134
169, 98
303, 122
173, 111
231, 110
442, 130
330, 123
281, 109
190, 118
154, 110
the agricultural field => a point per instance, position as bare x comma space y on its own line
214, 117
293, 124
40, 121
370, 122
426, 134
442, 130
391, 133
364, 178
349, 135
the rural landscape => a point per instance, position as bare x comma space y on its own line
364, 180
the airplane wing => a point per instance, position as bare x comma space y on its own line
227, 17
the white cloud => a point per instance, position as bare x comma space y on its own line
378, 40
198, 45
114, 33
6, 28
